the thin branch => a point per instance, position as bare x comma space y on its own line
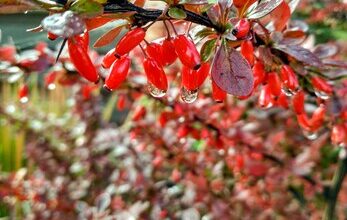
143, 16
334, 190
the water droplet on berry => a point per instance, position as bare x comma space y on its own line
24, 99
51, 86
155, 92
310, 135
322, 95
189, 96
288, 92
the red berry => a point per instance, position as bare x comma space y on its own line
299, 102
289, 78
217, 93
109, 58
23, 93
154, 50
241, 29
338, 134
274, 83
130, 40
304, 122
139, 113
193, 79
121, 102
258, 73
49, 79
187, 52
168, 52
282, 101
321, 85
247, 51
155, 73
265, 99
84, 39
118, 73
318, 117
81, 60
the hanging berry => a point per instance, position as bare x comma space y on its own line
265, 99
258, 73
23, 93
187, 52
321, 85
289, 79
247, 51
274, 83
241, 29
193, 79
217, 93
118, 73
154, 51
52, 36
169, 54
155, 74
81, 60
129, 41
299, 102
109, 58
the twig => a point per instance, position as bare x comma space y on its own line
334, 190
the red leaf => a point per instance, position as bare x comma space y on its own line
231, 72
280, 16
108, 37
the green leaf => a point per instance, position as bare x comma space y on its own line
207, 50
177, 13
88, 8
198, 145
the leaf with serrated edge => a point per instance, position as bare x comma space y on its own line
231, 72
257, 11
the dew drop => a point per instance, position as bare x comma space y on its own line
322, 95
155, 92
189, 96
310, 135
24, 99
51, 86
288, 92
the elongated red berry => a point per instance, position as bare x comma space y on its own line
265, 99
217, 93
168, 52
321, 85
282, 101
139, 113
50, 79
23, 93
258, 73
247, 51
317, 118
193, 79
81, 60
109, 58
130, 40
121, 102
155, 73
289, 79
202, 73
339, 134
274, 83
241, 29
118, 73
83, 39
304, 121
187, 52
154, 51
299, 102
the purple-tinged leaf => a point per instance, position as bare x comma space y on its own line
301, 54
336, 63
231, 72
326, 50
256, 11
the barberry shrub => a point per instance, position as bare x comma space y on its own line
240, 88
